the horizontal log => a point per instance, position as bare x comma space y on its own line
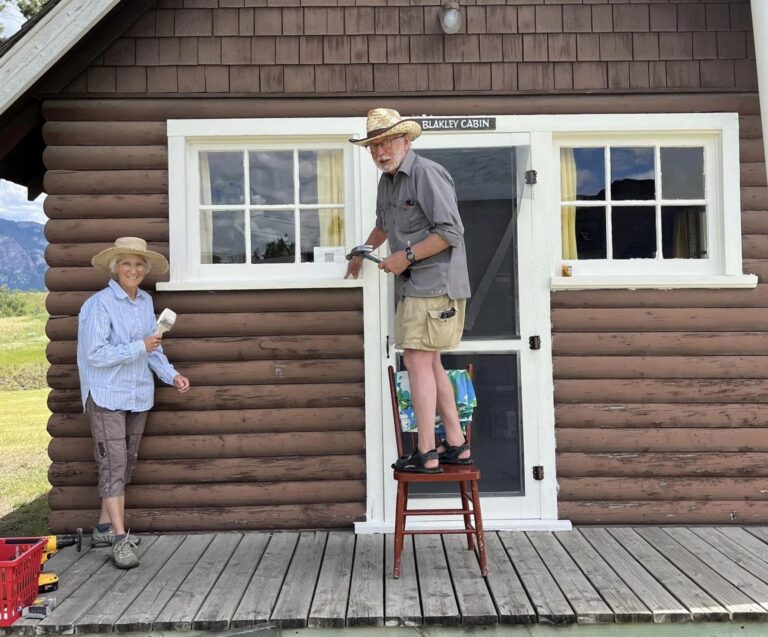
293, 516
754, 246
754, 222
105, 133
654, 489
751, 150
661, 440
239, 324
106, 206
750, 126
238, 397
337, 370
226, 421
754, 297
659, 367
660, 320
105, 230
89, 278
206, 447
672, 512
106, 182
169, 496
219, 470
753, 174
758, 267
657, 465
754, 198
223, 301
148, 109
181, 350
662, 391
80, 254
660, 415
82, 157
660, 344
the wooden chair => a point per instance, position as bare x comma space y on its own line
464, 475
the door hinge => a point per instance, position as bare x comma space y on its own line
531, 177
387, 345
534, 342
538, 472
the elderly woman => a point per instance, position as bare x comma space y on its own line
117, 351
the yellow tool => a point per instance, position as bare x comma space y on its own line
47, 582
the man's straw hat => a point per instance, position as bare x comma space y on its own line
130, 245
386, 122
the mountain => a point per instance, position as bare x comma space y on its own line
22, 261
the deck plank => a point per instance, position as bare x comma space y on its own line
366, 593
747, 541
189, 597
474, 599
438, 602
506, 589
401, 603
760, 532
731, 542
550, 604
329, 606
663, 606
221, 603
700, 605
114, 602
141, 614
295, 599
259, 598
624, 604
581, 595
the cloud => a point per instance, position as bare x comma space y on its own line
14, 204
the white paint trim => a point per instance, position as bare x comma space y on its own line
251, 284
656, 282
46, 43
760, 33
368, 528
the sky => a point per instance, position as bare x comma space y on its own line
13, 198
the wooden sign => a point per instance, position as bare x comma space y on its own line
456, 123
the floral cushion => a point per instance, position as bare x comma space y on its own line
466, 401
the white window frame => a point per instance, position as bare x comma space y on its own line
186, 138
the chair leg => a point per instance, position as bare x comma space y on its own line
479, 527
467, 513
399, 525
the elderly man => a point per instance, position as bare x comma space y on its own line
417, 212
117, 351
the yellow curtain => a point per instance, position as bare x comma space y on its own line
568, 213
206, 216
330, 189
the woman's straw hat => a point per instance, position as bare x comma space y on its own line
130, 245
386, 122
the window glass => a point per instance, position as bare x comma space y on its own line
273, 236
587, 181
321, 177
682, 173
634, 232
590, 235
683, 232
271, 177
221, 178
320, 229
632, 174
223, 236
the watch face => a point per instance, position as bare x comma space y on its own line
410, 255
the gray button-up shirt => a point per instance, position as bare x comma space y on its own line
418, 200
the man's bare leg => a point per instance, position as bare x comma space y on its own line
421, 377
446, 407
113, 512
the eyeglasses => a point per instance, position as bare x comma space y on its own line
383, 145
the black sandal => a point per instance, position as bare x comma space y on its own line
416, 463
451, 454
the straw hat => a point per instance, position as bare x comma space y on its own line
386, 122
130, 245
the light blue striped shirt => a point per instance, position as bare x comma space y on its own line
111, 357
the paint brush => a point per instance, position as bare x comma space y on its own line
165, 321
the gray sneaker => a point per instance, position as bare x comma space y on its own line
123, 554
104, 538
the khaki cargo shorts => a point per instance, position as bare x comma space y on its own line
116, 439
433, 323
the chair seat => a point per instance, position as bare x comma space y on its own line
451, 473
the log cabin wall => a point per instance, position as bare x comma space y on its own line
658, 394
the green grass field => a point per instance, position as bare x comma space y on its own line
23, 414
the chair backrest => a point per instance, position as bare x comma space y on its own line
402, 406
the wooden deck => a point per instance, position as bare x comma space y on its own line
335, 579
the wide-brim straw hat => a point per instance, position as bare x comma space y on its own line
387, 122
130, 245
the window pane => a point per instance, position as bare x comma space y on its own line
320, 228
222, 236
634, 232
632, 174
321, 177
684, 232
583, 233
271, 174
582, 174
682, 173
273, 236
222, 179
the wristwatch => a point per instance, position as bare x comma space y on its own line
410, 255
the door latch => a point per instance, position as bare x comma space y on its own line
531, 177
538, 472
534, 342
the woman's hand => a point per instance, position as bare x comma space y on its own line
151, 343
181, 383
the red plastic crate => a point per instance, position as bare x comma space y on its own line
19, 569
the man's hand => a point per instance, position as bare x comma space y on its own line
181, 383
151, 343
395, 263
354, 266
